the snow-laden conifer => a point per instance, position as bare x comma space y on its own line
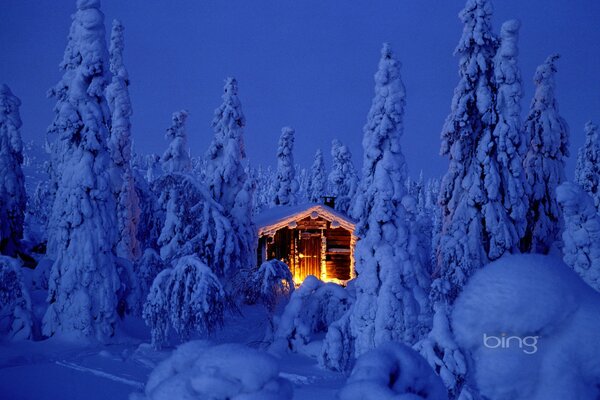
84, 280
119, 143
286, 185
12, 182
387, 288
587, 171
548, 136
316, 183
177, 157
226, 175
343, 179
581, 235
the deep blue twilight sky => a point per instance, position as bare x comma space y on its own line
304, 63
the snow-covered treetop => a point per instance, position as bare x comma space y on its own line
316, 184
225, 173
384, 122
117, 43
507, 73
10, 119
177, 157
551, 138
286, 185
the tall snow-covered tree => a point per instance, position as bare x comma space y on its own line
475, 225
469, 193
84, 280
343, 179
316, 183
12, 183
119, 143
177, 157
581, 236
286, 185
226, 175
388, 287
548, 136
506, 190
587, 171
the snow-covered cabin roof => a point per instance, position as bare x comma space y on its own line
276, 218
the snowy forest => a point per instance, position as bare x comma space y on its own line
140, 276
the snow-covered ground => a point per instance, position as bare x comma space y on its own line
51, 370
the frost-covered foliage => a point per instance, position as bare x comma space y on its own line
263, 195
84, 280
390, 372
549, 321
16, 319
442, 353
548, 136
581, 235
194, 224
286, 186
226, 175
337, 352
151, 217
271, 283
187, 298
587, 171
343, 179
199, 370
147, 268
12, 184
313, 307
119, 143
316, 183
388, 287
177, 157
470, 193
153, 170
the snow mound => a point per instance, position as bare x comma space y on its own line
313, 307
530, 325
271, 283
197, 370
392, 371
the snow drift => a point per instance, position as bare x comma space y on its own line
530, 324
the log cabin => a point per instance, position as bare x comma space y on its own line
312, 239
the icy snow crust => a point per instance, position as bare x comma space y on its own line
531, 296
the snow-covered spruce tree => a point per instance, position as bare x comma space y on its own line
548, 136
303, 180
507, 230
343, 179
119, 143
270, 283
581, 235
476, 226
587, 171
188, 298
12, 183
195, 225
286, 185
387, 287
16, 318
316, 183
84, 280
177, 157
226, 175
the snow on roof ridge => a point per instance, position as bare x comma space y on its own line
278, 217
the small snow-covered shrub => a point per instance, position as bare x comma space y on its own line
197, 370
530, 325
188, 298
16, 318
392, 371
313, 307
337, 352
270, 283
